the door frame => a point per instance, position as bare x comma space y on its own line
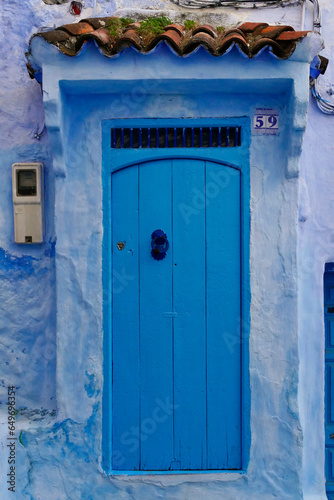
328, 280
115, 159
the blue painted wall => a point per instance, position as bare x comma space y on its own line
78, 210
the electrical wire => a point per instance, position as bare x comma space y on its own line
316, 16
324, 105
248, 4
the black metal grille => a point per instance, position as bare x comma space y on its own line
175, 137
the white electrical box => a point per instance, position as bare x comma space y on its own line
28, 201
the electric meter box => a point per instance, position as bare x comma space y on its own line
28, 202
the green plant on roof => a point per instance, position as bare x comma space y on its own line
189, 24
125, 21
117, 24
220, 30
152, 27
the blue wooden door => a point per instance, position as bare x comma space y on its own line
176, 374
329, 377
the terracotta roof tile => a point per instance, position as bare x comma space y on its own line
288, 36
55, 36
171, 36
251, 38
234, 31
268, 42
274, 31
199, 39
252, 27
206, 28
233, 38
76, 28
101, 37
176, 27
128, 39
97, 22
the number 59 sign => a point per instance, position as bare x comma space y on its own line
265, 121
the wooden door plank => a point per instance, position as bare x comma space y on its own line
125, 322
223, 317
189, 304
156, 361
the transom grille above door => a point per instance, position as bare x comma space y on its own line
175, 137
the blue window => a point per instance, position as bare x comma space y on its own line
176, 304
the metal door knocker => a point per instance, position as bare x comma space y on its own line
159, 244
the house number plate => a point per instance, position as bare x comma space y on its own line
266, 121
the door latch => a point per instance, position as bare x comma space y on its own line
159, 244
